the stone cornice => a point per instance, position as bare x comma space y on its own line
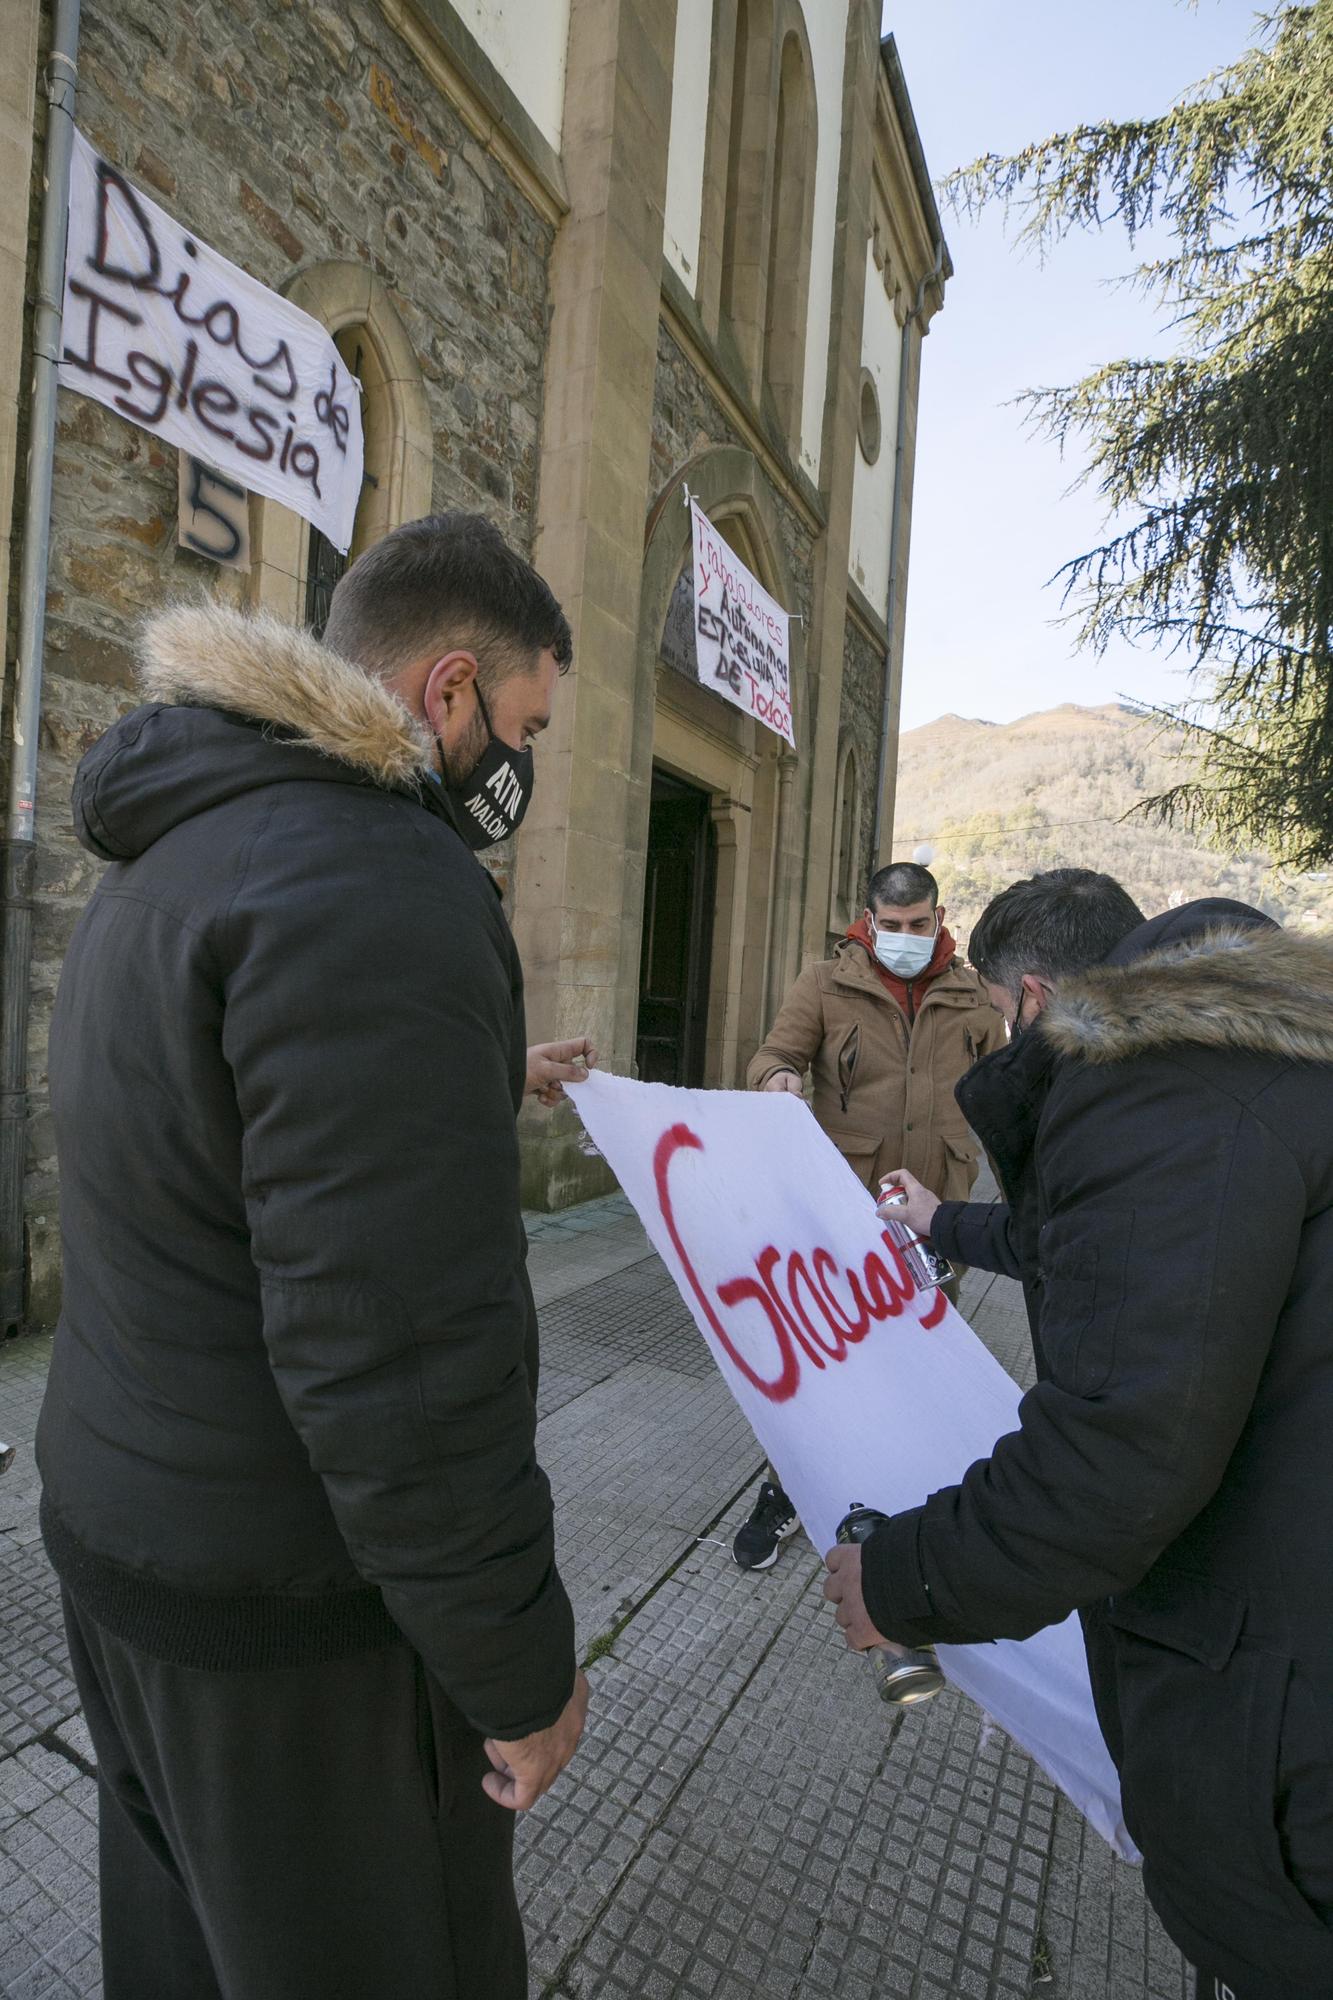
458, 67
907, 231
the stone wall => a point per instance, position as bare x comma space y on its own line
286, 132
687, 418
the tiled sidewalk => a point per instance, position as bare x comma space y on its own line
743, 1822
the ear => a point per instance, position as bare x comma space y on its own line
446, 689
1037, 991
940, 914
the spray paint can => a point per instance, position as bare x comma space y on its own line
927, 1268
901, 1678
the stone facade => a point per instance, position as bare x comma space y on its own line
537, 357
366, 162
687, 420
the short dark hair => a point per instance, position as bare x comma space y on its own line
448, 579
1051, 925
901, 884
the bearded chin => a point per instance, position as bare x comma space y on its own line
460, 760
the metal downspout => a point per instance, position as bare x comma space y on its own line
20, 850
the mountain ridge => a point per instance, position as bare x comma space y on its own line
999, 801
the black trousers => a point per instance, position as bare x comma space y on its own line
317, 1831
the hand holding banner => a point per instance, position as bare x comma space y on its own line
859, 1388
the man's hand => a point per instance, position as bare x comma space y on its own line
525, 1769
785, 1079
551, 1065
842, 1588
918, 1211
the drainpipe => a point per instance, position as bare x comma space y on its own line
895, 543
19, 863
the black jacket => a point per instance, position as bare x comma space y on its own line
290, 1410
1172, 1475
1002, 1098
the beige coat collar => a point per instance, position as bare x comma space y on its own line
209, 657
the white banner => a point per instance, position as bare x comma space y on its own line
741, 634
860, 1389
165, 331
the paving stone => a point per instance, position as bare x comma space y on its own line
634, 1315
48, 1895
626, 1509
36, 1690
745, 1821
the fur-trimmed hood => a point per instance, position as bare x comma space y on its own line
209, 657
1254, 988
236, 703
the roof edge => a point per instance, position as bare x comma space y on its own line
902, 104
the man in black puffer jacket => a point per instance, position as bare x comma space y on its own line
1171, 1146
288, 1440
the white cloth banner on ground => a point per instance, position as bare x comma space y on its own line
165, 331
858, 1388
741, 634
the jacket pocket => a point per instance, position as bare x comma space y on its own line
1181, 1611
1083, 1289
1209, 1753
860, 1150
437, 1730
1184, 1703
848, 1057
1301, 1820
960, 1169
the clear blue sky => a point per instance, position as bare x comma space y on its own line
994, 518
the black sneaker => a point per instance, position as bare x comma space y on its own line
773, 1519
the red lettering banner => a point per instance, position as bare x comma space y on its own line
860, 1388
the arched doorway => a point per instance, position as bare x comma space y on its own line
722, 868
679, 886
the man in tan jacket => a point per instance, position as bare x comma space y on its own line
887, 1026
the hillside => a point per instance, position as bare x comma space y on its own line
1001, 800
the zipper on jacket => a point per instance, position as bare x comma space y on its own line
848, 1057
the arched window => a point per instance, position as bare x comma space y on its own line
324, 563
294, 568
748, 137
846, 900
787, 296
735, 154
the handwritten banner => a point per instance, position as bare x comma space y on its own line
741, 634
859, 1388
169, 334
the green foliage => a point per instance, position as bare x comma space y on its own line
1218, 459
1062, 789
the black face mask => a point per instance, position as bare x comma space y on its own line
491, 805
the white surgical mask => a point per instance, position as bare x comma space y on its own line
904, 954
